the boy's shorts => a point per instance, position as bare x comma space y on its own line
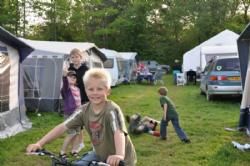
72, 131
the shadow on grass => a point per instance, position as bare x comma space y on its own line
224, 98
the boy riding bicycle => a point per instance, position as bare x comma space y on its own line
104, 122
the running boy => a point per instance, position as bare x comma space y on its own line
169, 114
103, 120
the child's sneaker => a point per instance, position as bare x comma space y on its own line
75, 154
163, 138
186, 140
63, 156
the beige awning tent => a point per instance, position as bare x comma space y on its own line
12, 107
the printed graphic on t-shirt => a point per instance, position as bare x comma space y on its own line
96, 132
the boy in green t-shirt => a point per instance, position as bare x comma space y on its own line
104, 122
169, 114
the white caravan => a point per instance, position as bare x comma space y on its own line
112, 65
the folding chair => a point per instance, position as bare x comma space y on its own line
158, 77
133, 77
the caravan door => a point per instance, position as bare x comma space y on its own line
93, 60
111, 65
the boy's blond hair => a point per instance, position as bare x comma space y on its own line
76, 51
163, 91
98, 73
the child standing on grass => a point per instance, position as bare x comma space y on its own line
169, 114
72, 100
78, 64
104, 122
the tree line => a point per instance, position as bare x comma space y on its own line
159, 30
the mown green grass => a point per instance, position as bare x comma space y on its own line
203, 121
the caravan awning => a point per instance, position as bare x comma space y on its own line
8, 38
243, 49
64, 47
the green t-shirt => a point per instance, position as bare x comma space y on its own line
171, 111
101, 128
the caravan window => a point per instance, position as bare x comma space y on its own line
42, 77
4, 83
97, 65
109, 63
31, 83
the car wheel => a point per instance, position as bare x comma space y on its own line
209, 96
201, 92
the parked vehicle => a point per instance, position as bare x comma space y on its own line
151, 65
166, 68
221, 76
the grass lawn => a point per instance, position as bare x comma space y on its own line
203, 122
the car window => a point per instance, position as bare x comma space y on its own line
208, 67
231, 64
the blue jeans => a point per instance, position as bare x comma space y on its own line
175, 121
86, 159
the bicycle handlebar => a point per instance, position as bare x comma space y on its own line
100, 163
43, 152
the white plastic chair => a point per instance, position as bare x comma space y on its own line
180, 79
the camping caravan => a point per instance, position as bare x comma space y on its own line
43, 71
209, 52
192, 60
12, 107
112, 65
129, 64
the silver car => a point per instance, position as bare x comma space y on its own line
221, 76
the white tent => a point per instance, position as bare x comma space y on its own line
209, 52
192, 58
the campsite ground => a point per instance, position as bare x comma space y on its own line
203, 121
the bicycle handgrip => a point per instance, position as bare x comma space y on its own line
42, 152
121, 163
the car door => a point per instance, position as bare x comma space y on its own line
205, 76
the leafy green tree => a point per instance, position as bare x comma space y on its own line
10, 15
